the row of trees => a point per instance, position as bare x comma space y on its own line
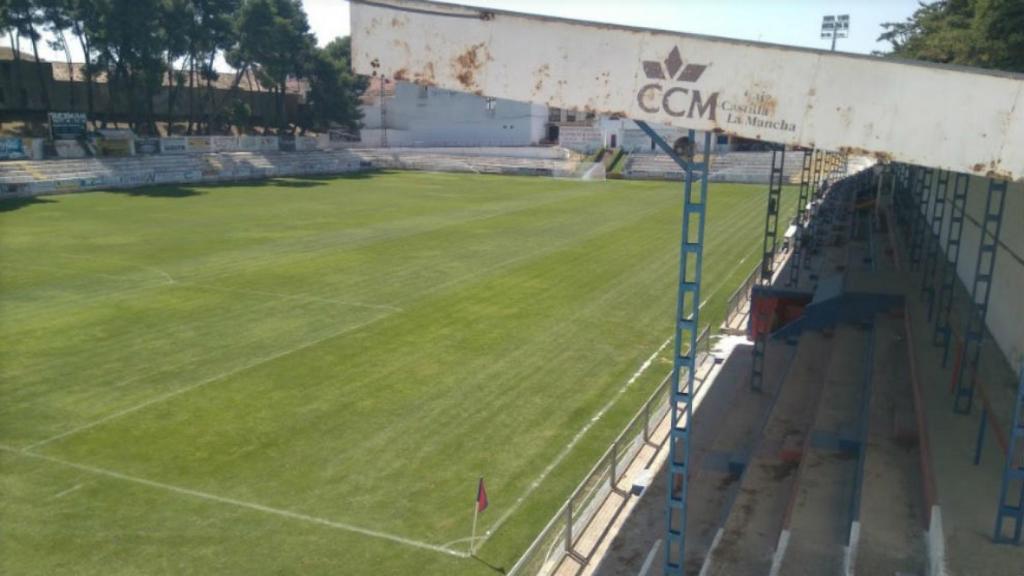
983, 33
143, 46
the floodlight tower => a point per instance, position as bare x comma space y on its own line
835, 27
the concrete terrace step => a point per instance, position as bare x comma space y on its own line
738, 422
821, 513
753, 167
751, 532
67, 175
891, 515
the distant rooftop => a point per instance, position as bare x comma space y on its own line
224, 80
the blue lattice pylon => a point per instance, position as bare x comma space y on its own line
687, 324
943, 335
985, 265
1013, 476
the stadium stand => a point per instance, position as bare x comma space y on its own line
748, 167
29, 178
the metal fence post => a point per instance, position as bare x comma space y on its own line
647, 422
568, 527
614, 464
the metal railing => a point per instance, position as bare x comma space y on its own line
741, 295
559, 537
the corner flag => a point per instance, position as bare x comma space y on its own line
481, 505
481, 497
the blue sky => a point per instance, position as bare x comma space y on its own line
794, 22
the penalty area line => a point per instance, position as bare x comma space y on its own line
238, 503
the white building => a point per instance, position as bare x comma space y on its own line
411, 115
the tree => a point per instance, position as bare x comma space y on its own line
24, 18
333, 98
983, 33
176, 19
56, 15
83, 17
1000, 27
143, 46
8, 27
274, 38
132, 55
211, 33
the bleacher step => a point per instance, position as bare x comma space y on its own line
751, 532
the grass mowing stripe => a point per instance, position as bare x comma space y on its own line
268, 252
189, 388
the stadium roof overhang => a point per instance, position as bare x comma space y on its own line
961, 119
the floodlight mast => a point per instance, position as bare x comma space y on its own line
835, 27
960, 119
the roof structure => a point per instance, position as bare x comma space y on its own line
955, 118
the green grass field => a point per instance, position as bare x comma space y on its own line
308, 376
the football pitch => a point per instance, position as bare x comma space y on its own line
308, 376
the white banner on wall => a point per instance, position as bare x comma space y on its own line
173, 145
580, 138
69, 149
224, 143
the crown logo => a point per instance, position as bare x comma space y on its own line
672, 65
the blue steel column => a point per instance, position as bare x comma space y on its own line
1013, 474
931, 261
771, 231
943, 334
687, 325
818, 178
984, 268
917, 236
801, 212
771, 216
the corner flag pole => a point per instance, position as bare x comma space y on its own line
472, 541
478, 506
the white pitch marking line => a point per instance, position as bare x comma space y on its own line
448, 545
579, 435
199, 384
575, 440
239, 503
169, 279
64, 493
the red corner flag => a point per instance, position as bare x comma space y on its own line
481, 497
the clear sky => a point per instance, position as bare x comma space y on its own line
794, 22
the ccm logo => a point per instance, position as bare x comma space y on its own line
677, 101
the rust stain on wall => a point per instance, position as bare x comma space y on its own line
542, 74
467, 64
883, 157
427, 76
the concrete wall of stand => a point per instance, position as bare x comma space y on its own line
1005, 318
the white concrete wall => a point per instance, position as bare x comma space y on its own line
426, 116
1006, 304
584, 139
